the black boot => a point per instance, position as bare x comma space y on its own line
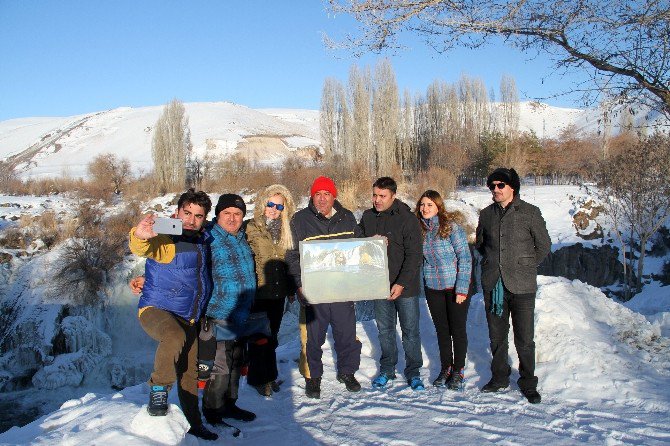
230, 410
313, 387
532, 395
201, 431
212, 399
349, 381
493, 387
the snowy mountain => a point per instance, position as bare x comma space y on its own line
56, 146
43, 147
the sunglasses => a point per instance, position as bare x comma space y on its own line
280, 207
500, 186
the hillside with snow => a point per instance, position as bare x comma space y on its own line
43, 147
48, 147
604, 367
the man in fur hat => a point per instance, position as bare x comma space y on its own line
512, 238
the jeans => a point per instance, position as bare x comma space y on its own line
387, 312
522, 309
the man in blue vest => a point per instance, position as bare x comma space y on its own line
176, 290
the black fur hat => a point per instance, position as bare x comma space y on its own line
508, 176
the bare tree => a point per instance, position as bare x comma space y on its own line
407, 152
635, 193
360, 93
385, 117
171, 146
509, 107
109, 173
328, 116
623, 45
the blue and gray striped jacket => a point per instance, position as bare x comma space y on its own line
447, 262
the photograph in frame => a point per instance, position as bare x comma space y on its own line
344, 270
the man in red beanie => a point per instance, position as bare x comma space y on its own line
325, 219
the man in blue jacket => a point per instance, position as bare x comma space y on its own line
176, 291
228, 311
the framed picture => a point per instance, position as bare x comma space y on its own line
344, 270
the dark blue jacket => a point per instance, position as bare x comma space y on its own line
184, 285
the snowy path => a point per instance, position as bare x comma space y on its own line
604, 377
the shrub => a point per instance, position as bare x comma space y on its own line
13, 238
81, 269
436, 178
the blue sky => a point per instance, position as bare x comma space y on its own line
61, 58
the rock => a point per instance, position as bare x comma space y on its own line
599, 266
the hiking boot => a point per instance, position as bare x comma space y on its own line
313, 387
158, 404
382, 381
274, 385
264, 389
212, 416
234, 412
532, 395
493, 387
443, 378
416, 383
456, 380
201, 431
350, 381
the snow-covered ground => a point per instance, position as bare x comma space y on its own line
604, 376
604, 372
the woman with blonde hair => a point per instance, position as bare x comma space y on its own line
269, 236
447, 266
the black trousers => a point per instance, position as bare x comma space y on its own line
521, 307
450, 320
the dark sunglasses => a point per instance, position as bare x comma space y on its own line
280, 207
500, 186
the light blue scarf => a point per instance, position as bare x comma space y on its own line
497, 298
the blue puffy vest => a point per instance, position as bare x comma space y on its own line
183, 286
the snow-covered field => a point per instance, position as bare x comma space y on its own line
604, 371
604, 376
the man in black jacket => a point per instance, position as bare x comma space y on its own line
512, 237
393, 219
324, 219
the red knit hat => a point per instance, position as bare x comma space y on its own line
323, 183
